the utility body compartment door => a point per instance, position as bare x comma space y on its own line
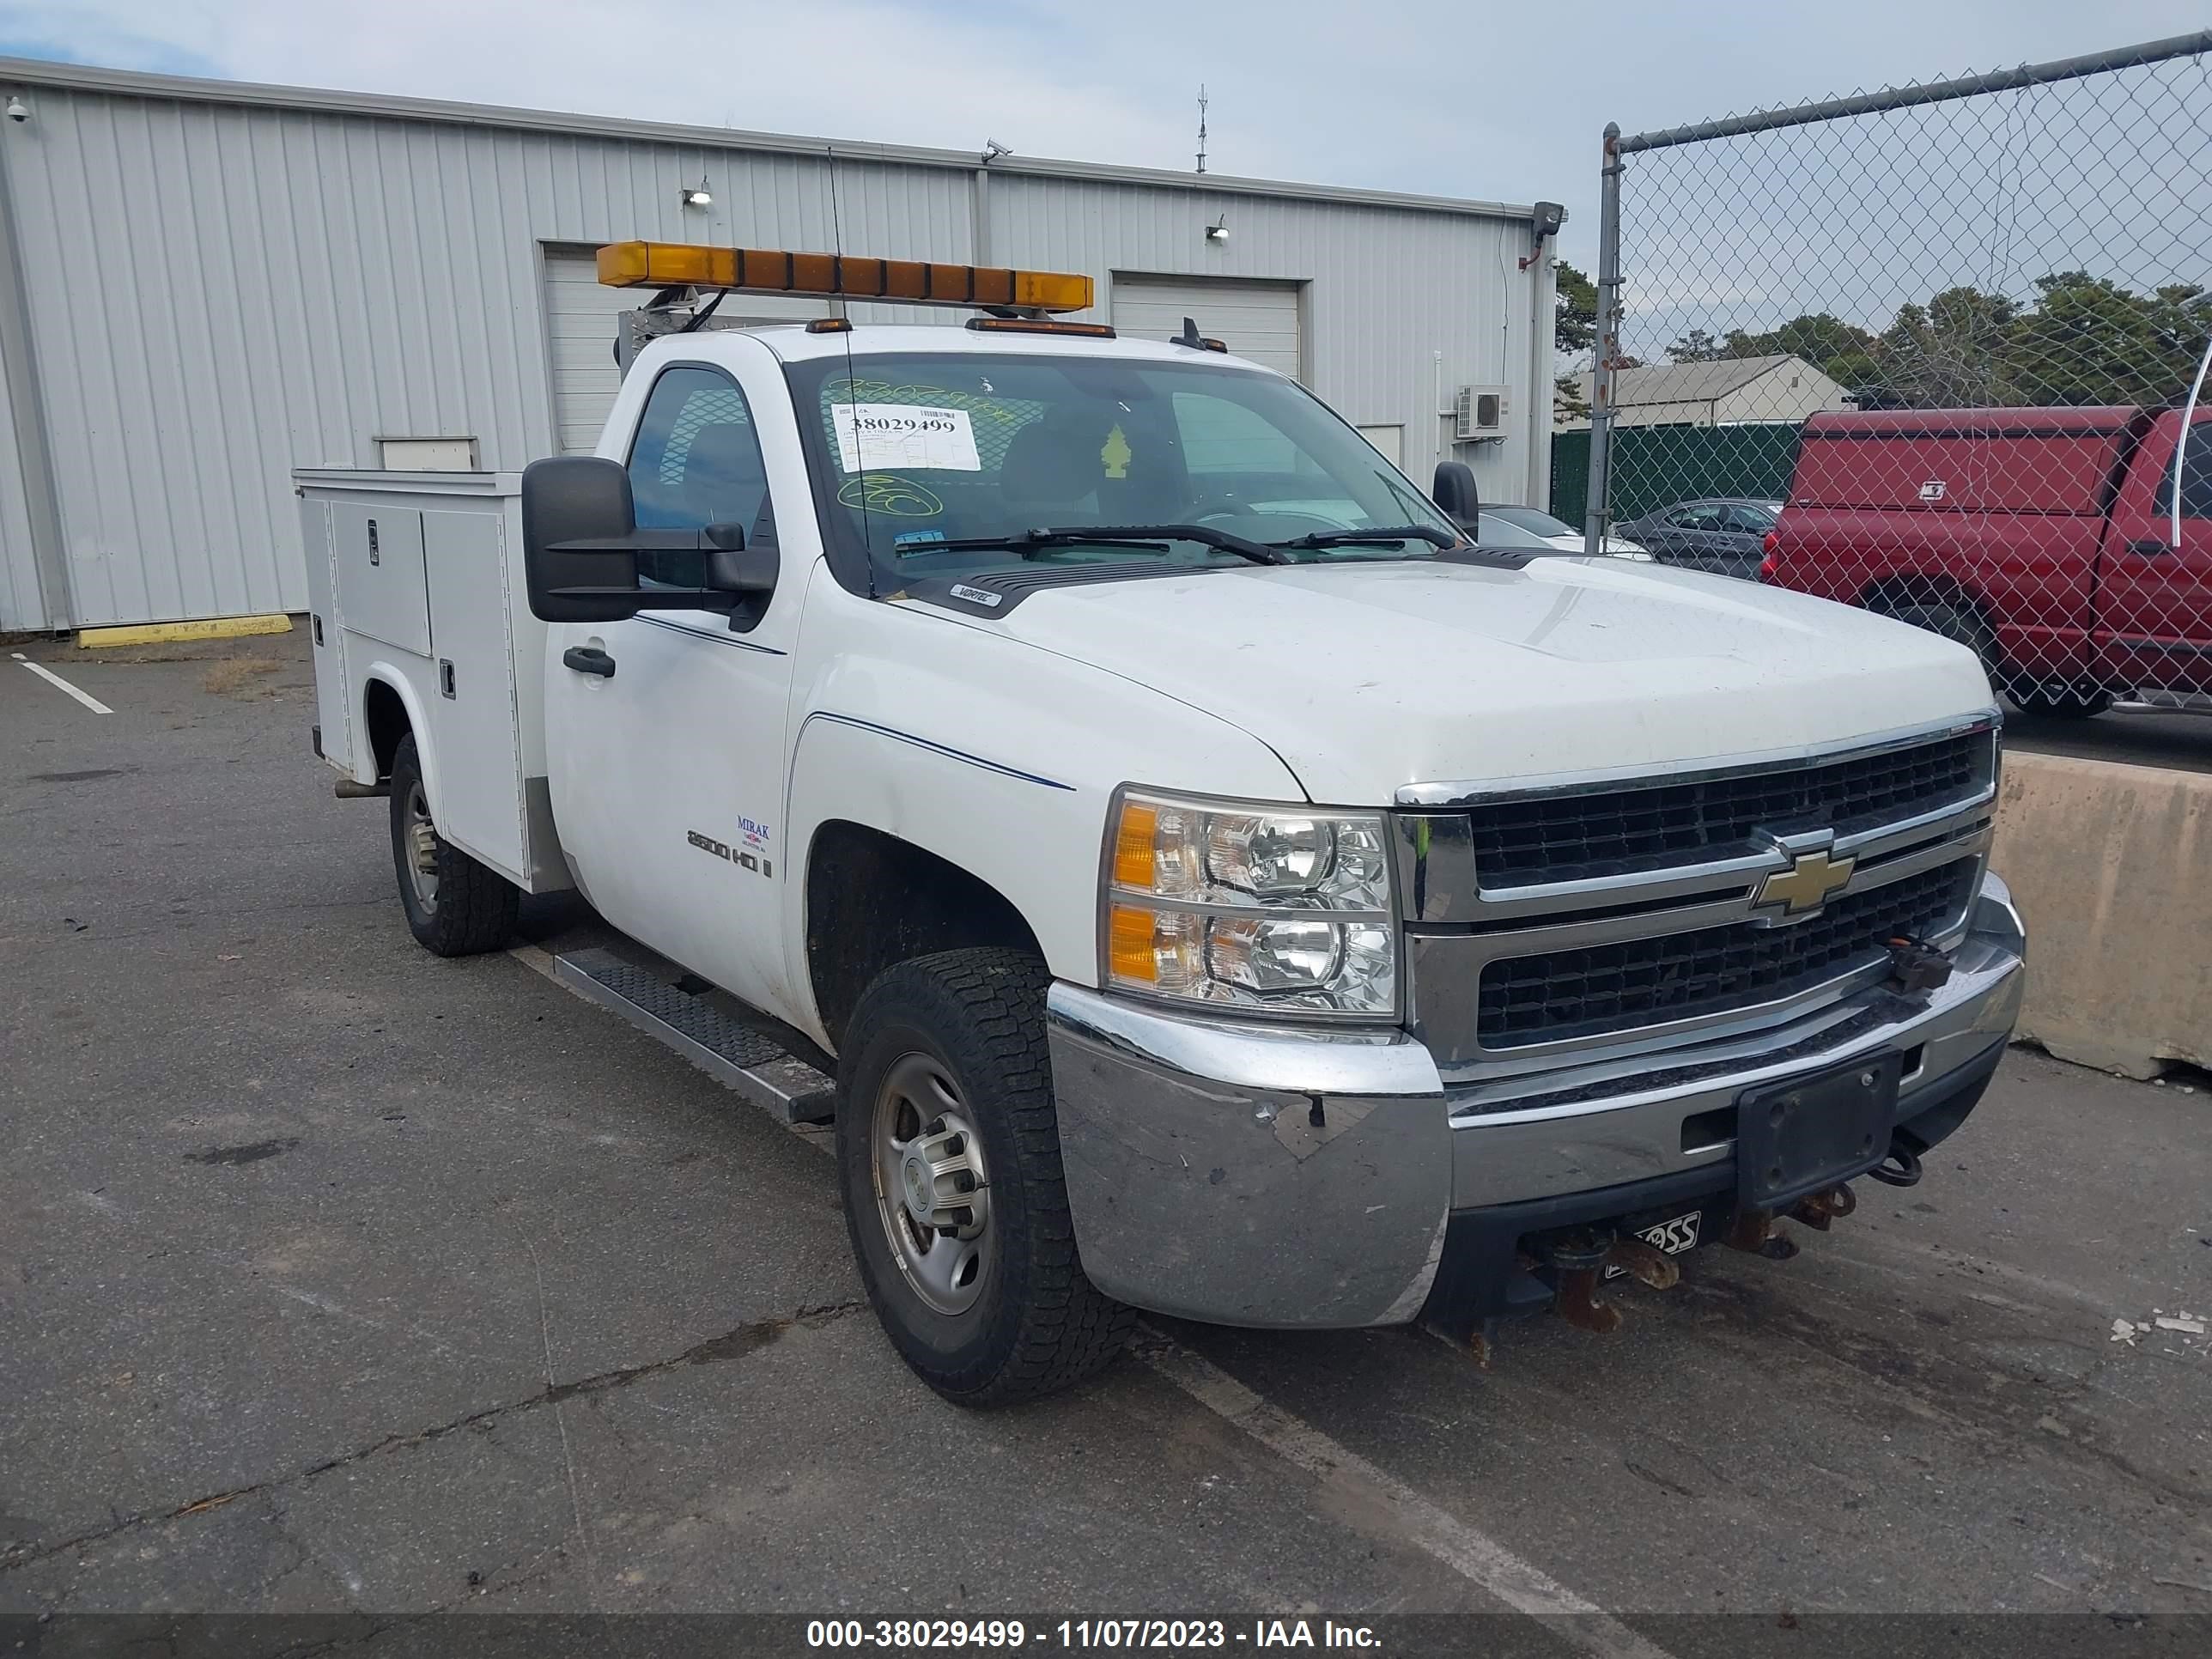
480, 806
417, 582
333, 699
378, 559
666, 732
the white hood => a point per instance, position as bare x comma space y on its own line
1365, 677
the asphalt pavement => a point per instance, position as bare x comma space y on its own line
2178, 739
336, 1277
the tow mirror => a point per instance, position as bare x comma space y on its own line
733, 568
1455, 493
569, 502
580, 544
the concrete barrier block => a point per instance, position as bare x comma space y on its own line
2107, 863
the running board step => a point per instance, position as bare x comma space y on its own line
733, 1054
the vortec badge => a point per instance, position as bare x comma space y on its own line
1933, 492
982, 596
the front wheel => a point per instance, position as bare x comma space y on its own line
948, 1152
455, 907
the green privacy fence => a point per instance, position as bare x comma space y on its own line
1657, 465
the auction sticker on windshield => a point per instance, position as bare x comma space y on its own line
876, 436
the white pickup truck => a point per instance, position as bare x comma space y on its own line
1224, 887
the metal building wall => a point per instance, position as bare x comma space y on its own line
1386, 290
222, 291
21, 606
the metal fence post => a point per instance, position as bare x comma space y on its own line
1596, 506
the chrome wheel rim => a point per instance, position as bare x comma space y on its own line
933, 1194
420, 838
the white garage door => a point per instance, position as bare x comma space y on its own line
1258, 320
580, 327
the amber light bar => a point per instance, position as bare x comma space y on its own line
912, 281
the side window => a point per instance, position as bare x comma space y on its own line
697, 461
1695, 517
2197, 481
1749, 520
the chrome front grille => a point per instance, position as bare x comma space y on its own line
1545, 925
1567, 835
1596, 989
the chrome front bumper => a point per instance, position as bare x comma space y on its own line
1278, 1176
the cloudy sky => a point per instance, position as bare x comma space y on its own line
1453, 97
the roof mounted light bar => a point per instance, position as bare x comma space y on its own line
908, 282
1040, 325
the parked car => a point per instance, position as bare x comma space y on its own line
2041, 537
1557, 533
1723, 534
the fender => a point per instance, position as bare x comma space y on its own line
995, 755
382, 671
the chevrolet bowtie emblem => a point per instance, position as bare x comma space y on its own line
1808, 883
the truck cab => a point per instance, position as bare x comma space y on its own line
1217, 884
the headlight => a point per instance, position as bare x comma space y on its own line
1254, 909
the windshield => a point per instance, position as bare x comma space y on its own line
928, 450
1532, 519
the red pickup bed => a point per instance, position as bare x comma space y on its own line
2040, 536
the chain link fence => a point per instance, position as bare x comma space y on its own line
1934, 351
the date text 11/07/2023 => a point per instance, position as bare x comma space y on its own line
1138, 1633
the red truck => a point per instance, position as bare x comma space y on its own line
2042, 537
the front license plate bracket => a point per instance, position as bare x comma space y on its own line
1800, 1137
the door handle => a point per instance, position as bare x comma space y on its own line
589, 660
2148, 549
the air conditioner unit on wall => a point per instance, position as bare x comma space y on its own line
1478, 412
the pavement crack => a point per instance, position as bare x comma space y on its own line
730, 1345
734, 1344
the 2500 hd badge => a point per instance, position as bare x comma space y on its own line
721, 849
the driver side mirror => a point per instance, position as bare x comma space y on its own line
1454, 491
580, 546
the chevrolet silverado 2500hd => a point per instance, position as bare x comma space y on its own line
1224, 887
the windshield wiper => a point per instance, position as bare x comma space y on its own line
1024, 542
1384, 536
1027, 542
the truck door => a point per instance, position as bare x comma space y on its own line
2154, 599
668, 782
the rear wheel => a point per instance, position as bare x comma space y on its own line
1958, 621
948, 1152
455, 907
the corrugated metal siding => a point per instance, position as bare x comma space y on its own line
1386, 289
222, 293
21, 608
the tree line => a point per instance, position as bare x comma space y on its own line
2081, 340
